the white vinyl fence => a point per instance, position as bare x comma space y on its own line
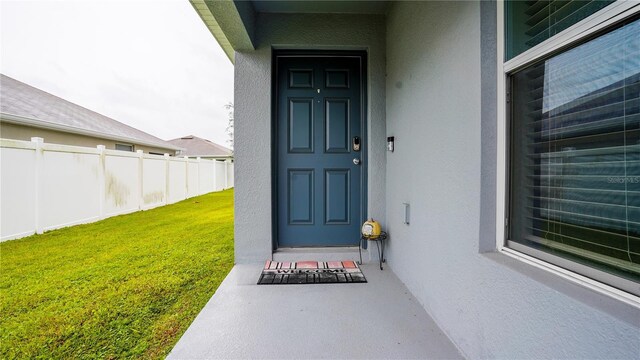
48, 186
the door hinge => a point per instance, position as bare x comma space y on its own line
506, 222
508, 97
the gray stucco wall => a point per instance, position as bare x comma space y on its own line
253, 102
438, 103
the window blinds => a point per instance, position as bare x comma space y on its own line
534, 21
576, 153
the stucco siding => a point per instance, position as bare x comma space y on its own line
25, 133
253, 111
252, 145
489, 305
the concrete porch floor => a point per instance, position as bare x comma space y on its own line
379, 319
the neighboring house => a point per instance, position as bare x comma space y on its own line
198, 147
512, 195
27, 112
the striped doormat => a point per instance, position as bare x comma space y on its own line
311, 272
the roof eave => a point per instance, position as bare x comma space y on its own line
211, 156
22, 120
231, 23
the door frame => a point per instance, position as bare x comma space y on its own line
276, 55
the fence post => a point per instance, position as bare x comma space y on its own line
38, 141
166, 181
199, 160
140, 180
226, 174
101, 180
215, 177
186, 177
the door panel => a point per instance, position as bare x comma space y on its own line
301, 196
301, 125
319, 194
337, 125
301, 78
337, 78
337, 200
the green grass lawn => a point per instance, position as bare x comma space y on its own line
127, 286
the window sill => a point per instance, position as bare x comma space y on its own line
577, 279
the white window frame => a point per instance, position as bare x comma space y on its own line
600, 20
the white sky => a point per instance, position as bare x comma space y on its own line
152, 65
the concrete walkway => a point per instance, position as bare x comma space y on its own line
379, 319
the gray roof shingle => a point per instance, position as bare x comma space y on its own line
22, 100
196, 146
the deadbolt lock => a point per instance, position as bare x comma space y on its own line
356, 143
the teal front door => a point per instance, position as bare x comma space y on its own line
320, 150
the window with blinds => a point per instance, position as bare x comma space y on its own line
575, 155
533, 21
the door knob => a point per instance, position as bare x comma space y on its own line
356, 161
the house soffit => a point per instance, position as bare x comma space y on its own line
330, 7
232, 23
